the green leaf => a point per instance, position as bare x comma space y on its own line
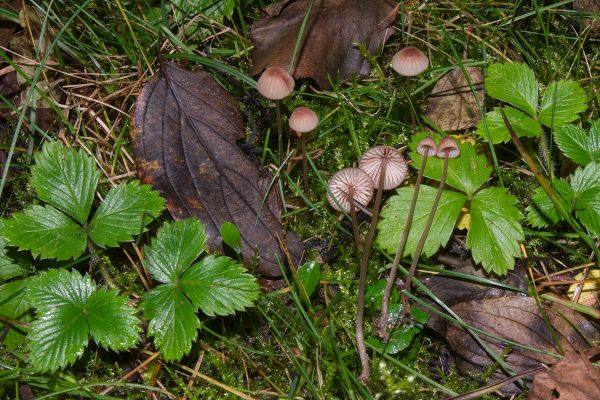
562, 102
66, 179
173, 320
393, 219
213, 9
514, 84
523, 125
111, 320
401, 338
575, 143
69, 308
8, 268
585, 183
309, 274
219, 286
125, 211
466, 173
541, 212
14, 305
47, 232
176, 246
374, 294
231, 236
495, 230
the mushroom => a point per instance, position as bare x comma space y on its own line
303, 120
425, 148
387, 169
408, 62
348, 187
447, 149
276, 84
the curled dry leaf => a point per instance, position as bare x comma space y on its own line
573, 378
186, 131
452, 105
328, 43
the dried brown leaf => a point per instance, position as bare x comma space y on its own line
452, 105
186, 131
328, 42
589, 7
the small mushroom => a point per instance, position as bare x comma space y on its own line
276, 84
387, 169
302, 121
410, 61
348, 187
425, 148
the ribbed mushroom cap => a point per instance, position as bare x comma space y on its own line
303, 120
275, 83
395, 170
349, 183
427, 143
410, 61
448, 148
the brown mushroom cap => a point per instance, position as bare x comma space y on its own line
349, 183
427, 143
275, 83
448, 148
410, 61
303, 120
395, 170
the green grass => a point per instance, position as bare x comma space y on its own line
105, 51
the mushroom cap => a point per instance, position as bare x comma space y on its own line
303, 120
275, 83
395, 170
448, 148
346, 183
410, 61
427, 143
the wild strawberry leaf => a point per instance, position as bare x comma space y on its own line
561, 103
494, 125
14, 305
187, 127
8, 268
125, 211
579, 145
514, 84
328, 47
541, 212
585, 183
66, 179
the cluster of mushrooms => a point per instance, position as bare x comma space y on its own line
380, 168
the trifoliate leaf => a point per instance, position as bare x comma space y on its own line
69, 309
174, 249
125, 211
393, 219
173, 320
523, 125
514, 84
46, 232
8, 268
111, 320
466, 173
541, 211
495, 230
66, 179
219, 286
561, 103
577, 144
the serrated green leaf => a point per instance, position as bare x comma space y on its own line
231, 236
576, 144
173, 320
176, 246
393, 219
495, 230
219, 286
514, 84
585, 183
466, 173
213, 9
309, 274
112, 320
46, 232
125, 211
8, 268
523, 125
66, 179
561, 103
541, 212
58, 288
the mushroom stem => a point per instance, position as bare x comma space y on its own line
423, 238
362, 279
304, 163
279, 134
383, 320
354, 221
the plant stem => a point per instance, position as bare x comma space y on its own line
279, 134
423, 238
304, 162
383, 320
362, 280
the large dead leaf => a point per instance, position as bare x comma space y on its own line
452, 105
589, 7
328, 42
573, 378
186, 131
